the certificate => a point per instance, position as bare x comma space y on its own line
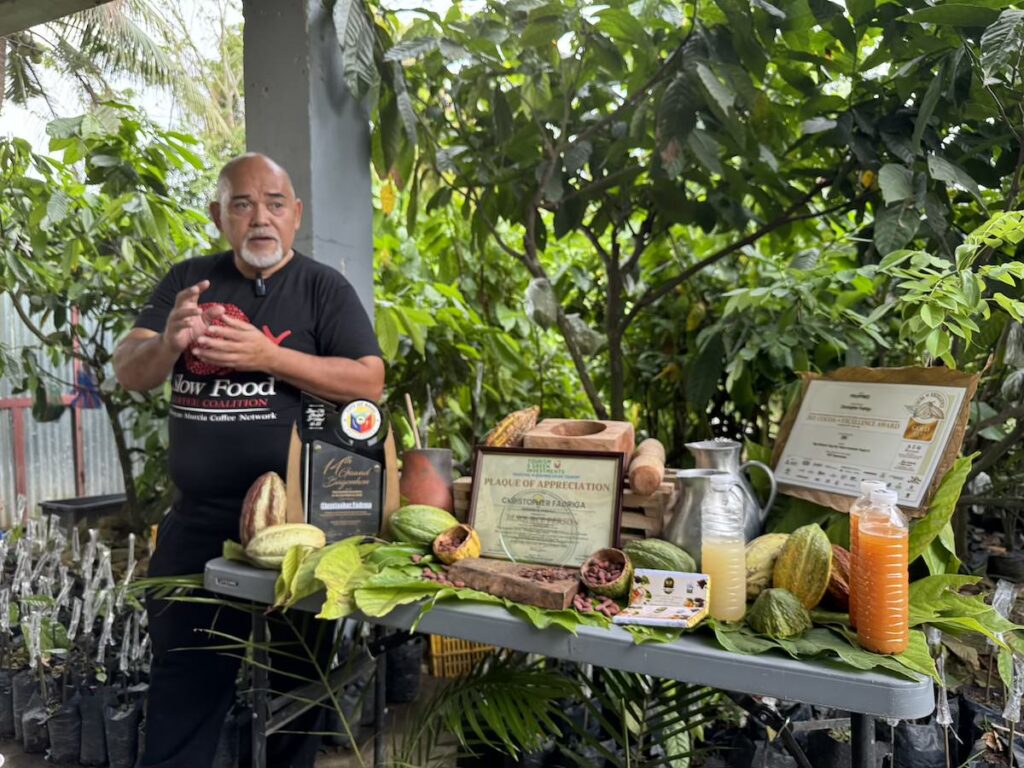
545, 506
898, 432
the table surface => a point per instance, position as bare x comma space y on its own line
692, 658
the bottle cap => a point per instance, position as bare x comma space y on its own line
868, 486
884, 497
722, 482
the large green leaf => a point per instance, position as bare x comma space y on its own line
1002, 45
941, 508
954, 14
896, 182
895, 227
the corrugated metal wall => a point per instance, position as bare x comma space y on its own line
49, 447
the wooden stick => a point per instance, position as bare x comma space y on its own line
412, 421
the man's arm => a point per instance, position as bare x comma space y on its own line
143, 361
240, 345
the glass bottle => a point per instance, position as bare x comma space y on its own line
883, 579
859, 506
722, 548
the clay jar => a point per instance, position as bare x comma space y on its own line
427, 478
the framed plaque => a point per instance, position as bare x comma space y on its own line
900, 426
545, 506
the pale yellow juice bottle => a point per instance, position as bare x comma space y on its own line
722, 561
722, 549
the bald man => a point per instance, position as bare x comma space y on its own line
240, 333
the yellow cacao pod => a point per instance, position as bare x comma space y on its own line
268, 547
760, 556
265, 505
510, 431
457, 543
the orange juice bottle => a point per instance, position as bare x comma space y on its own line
862, 503
883, 580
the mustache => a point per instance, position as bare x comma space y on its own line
260, 233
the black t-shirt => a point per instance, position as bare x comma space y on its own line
228, 427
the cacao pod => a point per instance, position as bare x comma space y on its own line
268, 547
510, 431
457, 543
778, 614
660, 555
839, 580
804, 565
420, 523
265, 504
760, 556
595, 573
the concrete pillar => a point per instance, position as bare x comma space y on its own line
299, 111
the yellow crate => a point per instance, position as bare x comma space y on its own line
451, 657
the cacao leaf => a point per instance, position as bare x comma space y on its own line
896, 183
953, 14
941, 508
1001, 46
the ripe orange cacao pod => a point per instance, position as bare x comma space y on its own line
265, 505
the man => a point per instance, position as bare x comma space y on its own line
241, 333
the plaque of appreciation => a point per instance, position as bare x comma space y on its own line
903, 427
548, 507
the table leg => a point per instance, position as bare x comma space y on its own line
380, 694
260, 689
862, 737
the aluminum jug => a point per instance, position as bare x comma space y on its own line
714, 457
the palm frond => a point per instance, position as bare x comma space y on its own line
507, 702
642, 722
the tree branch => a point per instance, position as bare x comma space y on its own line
788, 217
640, 242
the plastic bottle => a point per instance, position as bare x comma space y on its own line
722, 549
883, 579
859, 506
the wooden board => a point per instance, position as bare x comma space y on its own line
512, 580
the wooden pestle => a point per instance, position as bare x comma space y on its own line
647, 468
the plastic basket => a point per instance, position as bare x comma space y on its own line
450, 657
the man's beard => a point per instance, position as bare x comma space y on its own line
261, 260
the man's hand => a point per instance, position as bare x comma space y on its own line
186, 322
236, 344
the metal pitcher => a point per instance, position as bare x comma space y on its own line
715, 457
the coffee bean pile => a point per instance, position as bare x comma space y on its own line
600, 571
442, 579
588, 604
547, 575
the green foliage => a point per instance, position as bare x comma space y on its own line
85, 233
710, 189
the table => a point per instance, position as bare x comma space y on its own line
692, 658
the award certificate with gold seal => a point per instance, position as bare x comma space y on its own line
848, 431
548, 507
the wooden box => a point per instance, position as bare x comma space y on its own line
643, 517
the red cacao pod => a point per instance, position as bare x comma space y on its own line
839, 579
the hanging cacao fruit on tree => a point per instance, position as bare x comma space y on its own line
265, 505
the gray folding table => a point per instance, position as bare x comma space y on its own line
693, 658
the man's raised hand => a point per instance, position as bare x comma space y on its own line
187, 321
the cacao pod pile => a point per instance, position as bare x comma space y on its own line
265, 505
268, 547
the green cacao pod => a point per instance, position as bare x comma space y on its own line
660, 555
778, 614
805, 565
607, 572
760, 556
420, 523
268, 547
